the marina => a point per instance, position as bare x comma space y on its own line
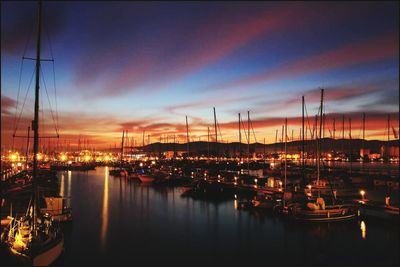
202, 175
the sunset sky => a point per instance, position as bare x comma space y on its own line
144, 66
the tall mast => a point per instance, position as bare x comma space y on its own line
318, 137
240, 140
122, 147
216, 135
174, 155
27, 148
187, 137
282, 148
302, 136
143, 140
208, 142
343, 134
388, 137
363, 141
35, 122
248, 142
285, 153
264, 150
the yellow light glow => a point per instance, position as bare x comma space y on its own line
363, 228
362, 193
39, 156
63, 157
87, 158
14, 157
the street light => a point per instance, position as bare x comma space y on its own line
362, 193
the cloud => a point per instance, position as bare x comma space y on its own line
18, 27
186, 50
376, 48
7, 104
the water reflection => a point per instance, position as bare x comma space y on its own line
62, 185
105, 210
132, 221
363, 228
69, 183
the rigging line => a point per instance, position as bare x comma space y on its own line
48, 98
245, 132
19, 90
54, 73
220, 133
55, 94
23, 104
29, 39
308, 119
48, 40
254, 134
42, 128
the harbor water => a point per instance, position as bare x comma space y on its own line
120, 222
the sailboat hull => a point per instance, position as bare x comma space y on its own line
144, 178
49, 256
327, 215
44, 257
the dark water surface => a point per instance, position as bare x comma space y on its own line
117, 222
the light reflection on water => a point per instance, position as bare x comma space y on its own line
105, 209
120, 222
363, 228
62, 193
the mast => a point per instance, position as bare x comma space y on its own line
282, 144
187, 137
285, 155
208, 142
35, 122
122, 147
363, 141
264, 150
318, 137
143, 140
148, 143
343, 134
240, 140
27, 148
388, 137
216, 136
302, 136
248, 142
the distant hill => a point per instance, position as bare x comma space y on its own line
327, 145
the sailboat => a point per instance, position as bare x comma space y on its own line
315, 209
34, 238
